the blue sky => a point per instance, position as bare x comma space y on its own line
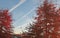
23, 14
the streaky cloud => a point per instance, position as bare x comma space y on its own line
20, 2
25, 15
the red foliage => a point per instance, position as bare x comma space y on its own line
5, 24
48, 22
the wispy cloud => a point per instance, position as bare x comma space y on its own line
25, 15
22, 28
21, 2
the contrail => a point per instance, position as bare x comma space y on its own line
25, 15
29, 21
21, 2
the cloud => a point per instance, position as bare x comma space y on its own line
25, 15
22, 28
21, 2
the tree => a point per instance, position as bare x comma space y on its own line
5, 24
47, 23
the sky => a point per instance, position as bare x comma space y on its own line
23, 12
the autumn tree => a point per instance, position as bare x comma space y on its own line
5, 24
47, 23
